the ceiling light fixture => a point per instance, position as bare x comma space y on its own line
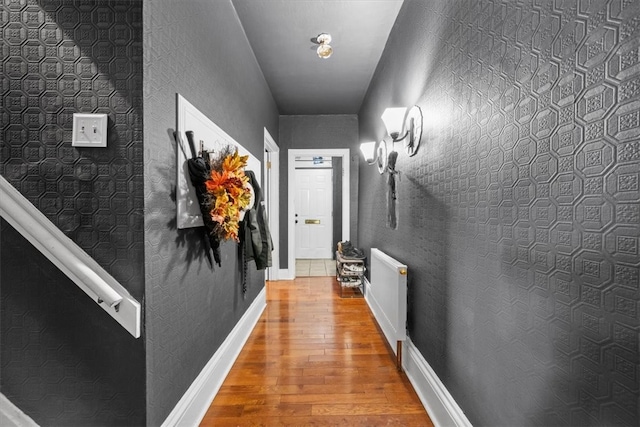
324, 50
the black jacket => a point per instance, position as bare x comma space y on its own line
257, 238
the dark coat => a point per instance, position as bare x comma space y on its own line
257, 238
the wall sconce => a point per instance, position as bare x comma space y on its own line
369, 151
375, 153
406, 128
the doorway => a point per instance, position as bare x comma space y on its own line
343, 154
271, 194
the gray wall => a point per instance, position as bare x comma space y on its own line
336, 166
201, 52
63, 360
320, 131
519, 215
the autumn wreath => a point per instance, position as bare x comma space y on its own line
228, 193
223, 192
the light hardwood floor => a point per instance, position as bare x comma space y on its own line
315, 359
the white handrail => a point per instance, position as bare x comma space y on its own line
69, 258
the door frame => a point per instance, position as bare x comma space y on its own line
273, 202
346, 184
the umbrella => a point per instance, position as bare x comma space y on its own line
200, 172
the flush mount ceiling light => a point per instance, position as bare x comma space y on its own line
324, 50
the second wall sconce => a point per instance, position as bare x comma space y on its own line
406, 128
375, 153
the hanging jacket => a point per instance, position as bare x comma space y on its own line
257, 238
392, 192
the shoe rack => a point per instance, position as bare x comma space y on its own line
350, 276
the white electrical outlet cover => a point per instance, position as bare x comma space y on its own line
89, 130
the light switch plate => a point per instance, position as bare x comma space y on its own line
89, 130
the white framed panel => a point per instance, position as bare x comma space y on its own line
213, 138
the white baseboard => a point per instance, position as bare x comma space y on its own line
436, 399
193, 406
12, 416
443, 410
286, 274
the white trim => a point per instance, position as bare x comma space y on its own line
193, 405
284, 274
12, 416
436, 399
346, 164
367, 289
274, 204
70, 258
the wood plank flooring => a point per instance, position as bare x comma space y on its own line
315, 359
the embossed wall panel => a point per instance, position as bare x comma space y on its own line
520, 214
63, 362
201, 52
63, 57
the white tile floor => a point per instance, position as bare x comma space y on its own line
315, 267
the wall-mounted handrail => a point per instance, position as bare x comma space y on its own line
70, 258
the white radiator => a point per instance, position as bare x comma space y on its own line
386, 295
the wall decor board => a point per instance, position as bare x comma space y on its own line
213, 138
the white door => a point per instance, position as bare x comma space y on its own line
313, 206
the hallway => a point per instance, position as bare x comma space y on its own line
315, 359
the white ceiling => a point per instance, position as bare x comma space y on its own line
280, 33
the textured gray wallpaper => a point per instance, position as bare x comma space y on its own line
520, 214
60, 58
62, 359
201, 52
322, 131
